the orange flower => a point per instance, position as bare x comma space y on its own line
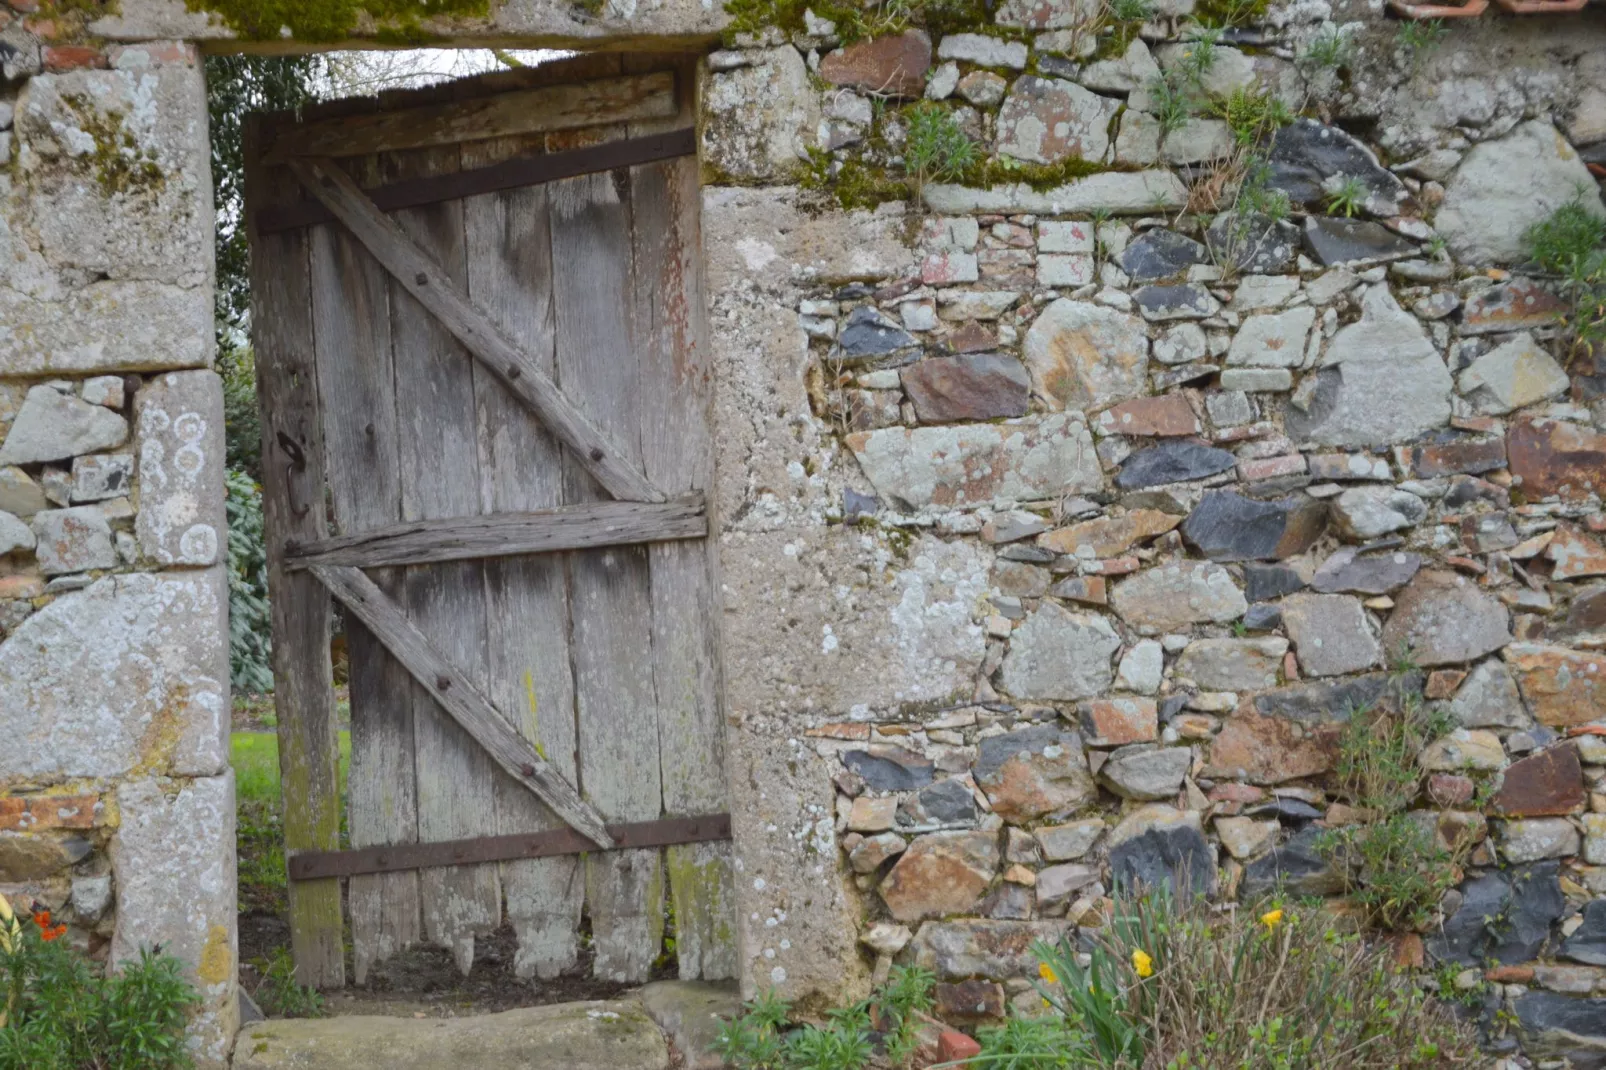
47, 932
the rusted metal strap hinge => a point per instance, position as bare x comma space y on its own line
317, 865
509, 174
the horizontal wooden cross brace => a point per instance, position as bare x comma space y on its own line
572, 527
423, 277
665, 832
457, 695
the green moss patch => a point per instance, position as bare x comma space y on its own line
398, 21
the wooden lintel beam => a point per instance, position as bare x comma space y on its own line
421, 276
588, 526
528, 111
457, 695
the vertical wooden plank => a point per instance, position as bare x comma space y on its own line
676, 429
527, 598
356, 384
439, 465
293, 506
610, 609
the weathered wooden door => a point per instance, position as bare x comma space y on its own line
480, 336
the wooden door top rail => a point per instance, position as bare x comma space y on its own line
665, 832
509, 174
588, 526
527, 111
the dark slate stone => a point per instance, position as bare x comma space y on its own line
1505, 915
1302, 421
1257, 244
1160, 254
1160, 857
1588, 611
1186, 300
1263, 616
855, 505
946, 802
1262, 582
853, 291
1467, 490
1348, 570
1330, 701
994, 751
1555, 1026
1295, 868
1306, 152
1335, 240
1172, 462
890, 768
1288, 811
1025, 551
1587, 944
1058, 67
870, 334
1185, 373
1171, 705
978, 386
1227, 526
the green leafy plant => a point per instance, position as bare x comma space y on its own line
935, 146
1328, 50
1418, 36
1046, 1042
1170, 104
1232, 13
250, 623
62, 1013
759, 1038
279, 994
1198, 56
1130, 10
1254, 115
1347, 198
1571, 244
1184, 984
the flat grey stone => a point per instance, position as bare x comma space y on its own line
691, 1013
1255, 243
14, 534
1084, 355
1513, 375
974, 947
947, 802
1146, 772
1309, 159
1332, 701
1505, 186
19, 494
1228, 526
1176, 595
100, 476
1528, 901
1587, 944
1262, 582
611, 1035
1233, 664
1172, 462
1056, 654
1365, 513
1555, 1026
52, 426
1488, 698
1181, 301
1120, 192
1160, 254
1331, 634
889, 768
1263, 617
1381, 382
869, 334
1443, 618
73, 540
1336, 240
1348, 571
1272, 340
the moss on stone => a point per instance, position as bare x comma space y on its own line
120, 164
853, 184
997, 171
398, 21
856, 22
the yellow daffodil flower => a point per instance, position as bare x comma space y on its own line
1142, 963
1047, 973
1271, 919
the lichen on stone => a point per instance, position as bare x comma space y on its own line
395, 21
120, 163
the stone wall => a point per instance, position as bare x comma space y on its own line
116, 798
1069, 522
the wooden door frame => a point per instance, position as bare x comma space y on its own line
308, 566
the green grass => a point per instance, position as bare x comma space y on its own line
255, 757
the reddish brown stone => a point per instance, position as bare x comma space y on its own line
941, 873
1233, 792
981, 386
1548, 783
1453, 456
60, 58
886, 66
1109, 536
858, 733
1562, 687
1449, 789
32, 813
1408, 951
1168, 414
1588, 611
1270, 750
1509, 975
969, 1001
1093, 590
953, 1046
1575, 554
1517, 305
1114, 566
21, 587
1111, 722
1443, 682
1007, 269
1551, 457
973, 337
